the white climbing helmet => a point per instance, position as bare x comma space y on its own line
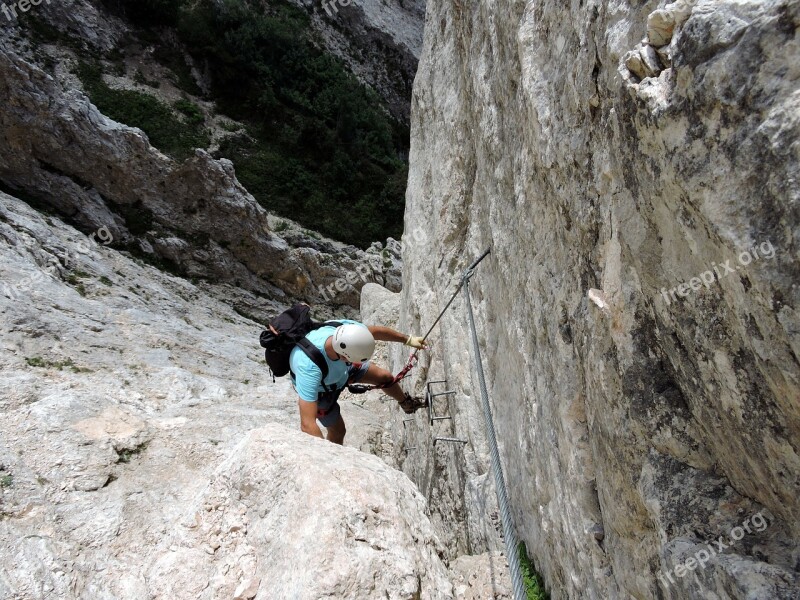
354, 342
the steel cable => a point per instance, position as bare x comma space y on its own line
500, 485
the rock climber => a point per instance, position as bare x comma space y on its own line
346, 350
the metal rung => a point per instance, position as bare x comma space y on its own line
429, 396
447, 439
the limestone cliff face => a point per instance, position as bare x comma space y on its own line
639, 311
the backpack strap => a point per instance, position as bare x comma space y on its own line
316, 357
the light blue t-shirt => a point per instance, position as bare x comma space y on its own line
308, 377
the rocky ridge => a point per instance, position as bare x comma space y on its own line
175, 214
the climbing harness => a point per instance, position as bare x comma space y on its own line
359, 388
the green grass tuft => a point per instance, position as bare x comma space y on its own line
534, 585
36, 361
40, 363
126, 454
192, 112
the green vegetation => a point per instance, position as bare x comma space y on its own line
40, 32
173, 58
126, 454
41, 363
106, 281
157, 120
320, 147
74, 279
192, 112
6, 481
534, 585
230, 126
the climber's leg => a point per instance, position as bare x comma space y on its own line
376, 376
409, 404
336, 430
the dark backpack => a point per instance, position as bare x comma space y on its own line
292, 326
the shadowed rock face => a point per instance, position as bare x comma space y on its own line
194, 217
641, 424
380, 41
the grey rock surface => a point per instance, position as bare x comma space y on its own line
661, 413
282, 517
481, 577
146, 453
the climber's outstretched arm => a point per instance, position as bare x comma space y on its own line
387, 334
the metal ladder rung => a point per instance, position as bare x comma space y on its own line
429, 396
448, 439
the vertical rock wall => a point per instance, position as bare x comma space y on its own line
648, 153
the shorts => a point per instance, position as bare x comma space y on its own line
328, 409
